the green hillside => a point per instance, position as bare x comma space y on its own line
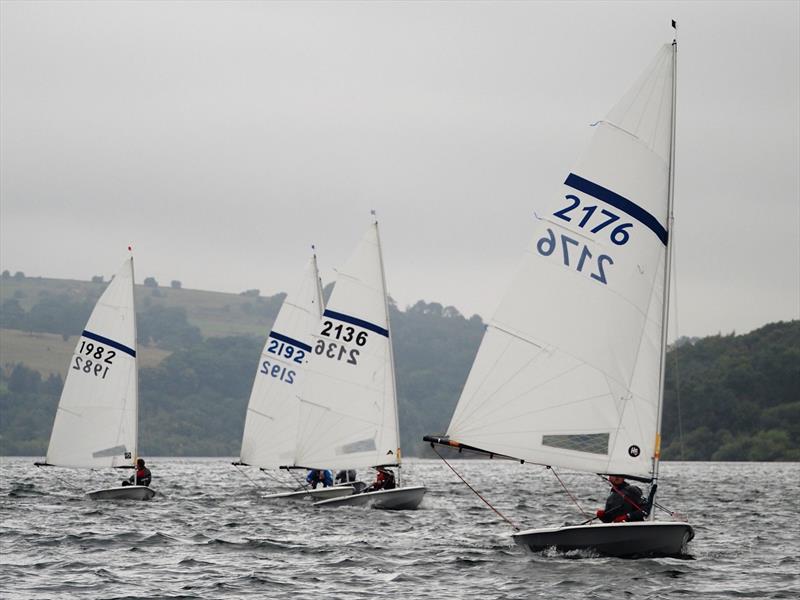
214, 313
737, 398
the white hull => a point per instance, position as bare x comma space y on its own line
317, 494
407, 498
125, 492
646, 538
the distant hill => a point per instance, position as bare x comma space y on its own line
214, 313
738, 394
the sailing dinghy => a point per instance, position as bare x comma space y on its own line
273, 437
348, 410
570, 372
96, 423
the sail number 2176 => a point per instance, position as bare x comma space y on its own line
547, 245
576, 254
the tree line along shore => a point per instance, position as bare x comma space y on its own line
727, 397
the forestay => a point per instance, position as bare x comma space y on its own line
568, 372
271, 427
348, 406
95, 424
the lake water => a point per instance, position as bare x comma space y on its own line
207, 535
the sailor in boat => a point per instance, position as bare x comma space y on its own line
345, 476
625, 502
384, 480
317, 476
141, 477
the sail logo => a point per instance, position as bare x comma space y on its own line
634, 451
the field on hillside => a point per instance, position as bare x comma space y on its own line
215, 313
49, 353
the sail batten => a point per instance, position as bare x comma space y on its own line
568, 372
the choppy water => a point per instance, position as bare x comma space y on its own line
207, 535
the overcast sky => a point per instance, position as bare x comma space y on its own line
223, 139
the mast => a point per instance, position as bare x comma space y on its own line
318, 280
391, 350
135, 453
668, 265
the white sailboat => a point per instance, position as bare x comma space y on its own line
96, 423
273, 438
348, 409
570, 372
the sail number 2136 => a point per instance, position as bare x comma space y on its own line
337, 350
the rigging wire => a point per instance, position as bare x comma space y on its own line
303, 485
246, 476
671, 513
272, 477
501, 515
575, 500
64, 481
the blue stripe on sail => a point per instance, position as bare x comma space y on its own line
108, 342
285, 338
634, 210
357, 322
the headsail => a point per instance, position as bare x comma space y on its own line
95, 424
270, 430
568, 370
348, 408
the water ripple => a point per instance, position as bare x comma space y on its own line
204, 541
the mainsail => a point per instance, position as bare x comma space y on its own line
271, 427
568, 373
348, 406
96, 420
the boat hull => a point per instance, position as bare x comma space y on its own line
125, 492
646, 538
406, 498
318, 494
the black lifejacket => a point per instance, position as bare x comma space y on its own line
625, 499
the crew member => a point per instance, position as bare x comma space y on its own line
625, 502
